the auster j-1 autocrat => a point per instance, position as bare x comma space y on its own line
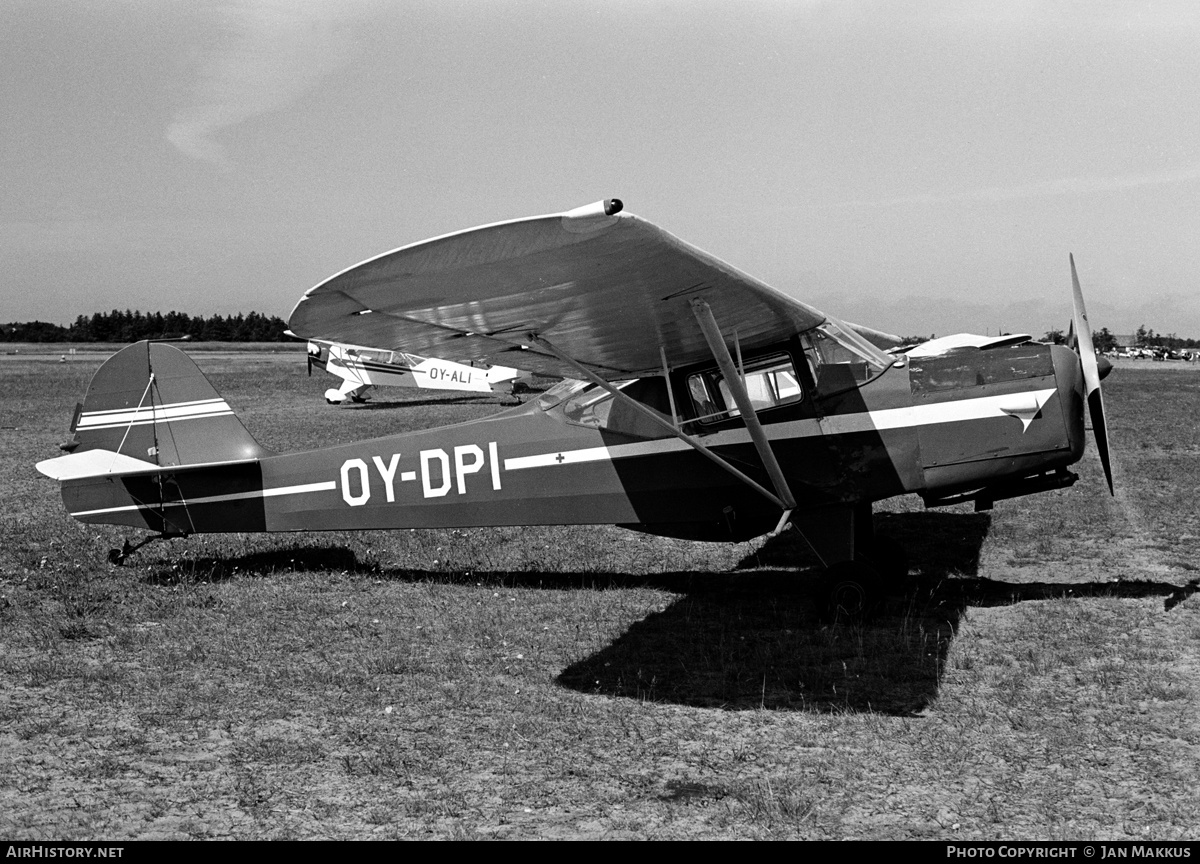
363, 368
699, 403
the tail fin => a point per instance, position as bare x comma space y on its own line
156, 447
149, 402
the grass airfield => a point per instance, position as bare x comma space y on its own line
1040, 679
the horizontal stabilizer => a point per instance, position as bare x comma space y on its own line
93, 463
105, 463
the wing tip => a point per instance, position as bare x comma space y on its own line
603, 207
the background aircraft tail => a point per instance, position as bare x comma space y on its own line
149, 402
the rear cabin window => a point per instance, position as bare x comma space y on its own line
769, 381
588, 405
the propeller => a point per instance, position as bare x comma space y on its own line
1103, 364
1091, 375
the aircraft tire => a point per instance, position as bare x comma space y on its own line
890, 558
850, 593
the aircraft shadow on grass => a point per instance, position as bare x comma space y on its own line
754, 639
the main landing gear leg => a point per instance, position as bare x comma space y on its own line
886, 555
860, 565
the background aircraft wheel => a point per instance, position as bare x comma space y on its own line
850, 593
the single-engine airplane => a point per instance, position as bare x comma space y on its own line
702, 403
363, 368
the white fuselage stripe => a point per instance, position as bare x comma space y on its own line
323, 486
587, 454
983, 408
987, 407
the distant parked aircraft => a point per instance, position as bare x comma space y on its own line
363, 368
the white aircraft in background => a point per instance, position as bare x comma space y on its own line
363, 368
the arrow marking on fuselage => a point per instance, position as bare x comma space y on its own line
1025, 407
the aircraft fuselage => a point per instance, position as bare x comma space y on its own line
967, 421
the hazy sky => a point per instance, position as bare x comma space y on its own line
919, 167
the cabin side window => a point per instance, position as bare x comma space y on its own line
769, 381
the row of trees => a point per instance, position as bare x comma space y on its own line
127, 326
1150, 339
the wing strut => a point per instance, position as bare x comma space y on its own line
670, 390
737, 386
666, 424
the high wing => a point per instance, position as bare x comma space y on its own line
606, 288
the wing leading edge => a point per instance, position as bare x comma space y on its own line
606, 288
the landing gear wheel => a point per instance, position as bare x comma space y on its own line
890, 559
850, 593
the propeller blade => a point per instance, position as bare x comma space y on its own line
309, 365
1091, 375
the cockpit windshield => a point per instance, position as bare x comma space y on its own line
840, 358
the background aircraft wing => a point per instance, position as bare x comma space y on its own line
606, 288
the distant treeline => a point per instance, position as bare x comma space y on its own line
117, 326
127, 326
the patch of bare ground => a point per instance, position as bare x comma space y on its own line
1036, 680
